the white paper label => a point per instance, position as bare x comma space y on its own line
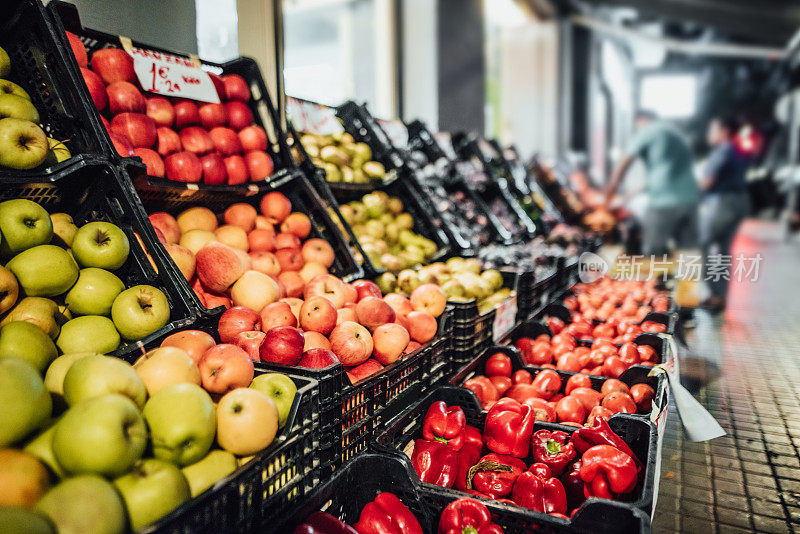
505, 317
310, 117
170, 75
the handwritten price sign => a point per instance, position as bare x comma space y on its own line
505, 317
170, 75
311, 117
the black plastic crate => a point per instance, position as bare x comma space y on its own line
291, 183
594, 515
91, 190
66, 16
350, 414
42, 64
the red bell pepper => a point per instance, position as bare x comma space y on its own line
587, 437
446, 424
573, 485
387, 515
324, 523
553, 449
435, 462
468, 456
607, 471
508, 428
494, 475
467, 516
536, 489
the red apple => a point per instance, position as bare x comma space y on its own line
186, 114
275, 207
219, 266
236, 88
167, 224
241, 214
196, 140
295, 304
390, 341
213, 169
399, 303
346, 314
213, 115
154, 163
350, 293
194, 342
138, 128
161, 111
124, 97
267, 263
213, 300
366, 288
235, 320
261, 240
429, 298
253, 138
113, 65
121, 145
421, 326
293, 283
284, 240
318, 358
298, 224
312, 269
259, 165
360, 372
351, 342
78, 50
226, 141
320, 251
167, 141
402, 320
277, 314
327, 286
373, 312
237, 170
315, 340
225, 367
250, 342
183, 167
97, 89
318, 315
282, 344
289, 259
239, 115
412, 347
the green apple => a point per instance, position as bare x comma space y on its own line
94, 292
57, 152
20, 339
215, 466
44, 270
95, 375
281, 389
359, 212
5, 63
91, 333
42, 447
19, 520
64, 229
152, 490
8, 87
23, 144
39, 311
84, 504
139, 311
182, 421
25, 403
54, 377
386, 283
24, 224
101, 244
493, 277
453, 289
104, 435
17, 107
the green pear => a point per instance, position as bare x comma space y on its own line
387, 282
44, 270
20, 339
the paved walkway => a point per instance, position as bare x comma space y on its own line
749, 363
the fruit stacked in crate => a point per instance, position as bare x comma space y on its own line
342, 159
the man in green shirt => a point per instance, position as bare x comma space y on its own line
672, 192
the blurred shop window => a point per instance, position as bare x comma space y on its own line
335, 50
671, 96
217, 30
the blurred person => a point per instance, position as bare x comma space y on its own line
725, 201
670, 186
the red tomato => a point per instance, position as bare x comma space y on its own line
577, 381
588, 397
580, 329
643, 396
564, 339
561, 349
609, 349
555, 324
614, 367
540, 353
498, 364
584, 359
628, 354
523, 392
521, 377
501, 384
612, 384
483, 388
570, 409
598, 411
523, 343
542, 338
542, 409
596, 370
634, 329
548, 383
597, 357
548, 366
604, 330
647, 353
619, 402
568, 362
653, 327
488, 405
571, 303
582, 350
557, 397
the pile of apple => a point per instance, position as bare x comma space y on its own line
607, 298
127, 444
343, 159
460, 279
23, 144
64, 275
253, 259
336, 322
198, 141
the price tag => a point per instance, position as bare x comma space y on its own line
396, 130
505, 317
310, 117
170, 75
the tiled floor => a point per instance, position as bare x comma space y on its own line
746, 369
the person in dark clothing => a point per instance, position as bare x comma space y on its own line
725, 204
